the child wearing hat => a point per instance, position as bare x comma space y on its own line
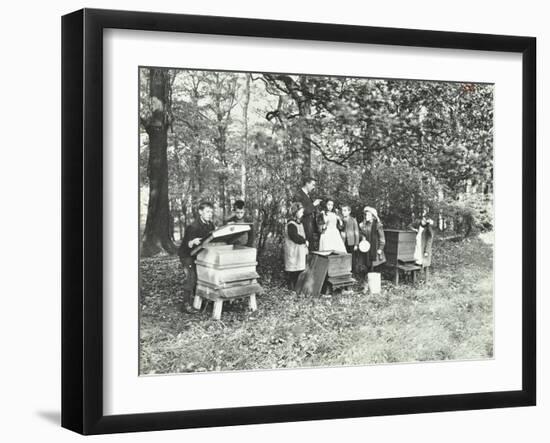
372, 231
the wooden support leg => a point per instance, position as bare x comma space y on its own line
252, 303
217, 312
396, 279
197, 302
413, 275
427, 273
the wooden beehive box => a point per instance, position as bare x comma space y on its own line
339, 270
221, 265
331, 266
400, 245
339, 263
225, 271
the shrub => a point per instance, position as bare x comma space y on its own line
399, 192
472, 214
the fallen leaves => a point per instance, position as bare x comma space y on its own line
448, 318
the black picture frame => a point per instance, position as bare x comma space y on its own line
82, 215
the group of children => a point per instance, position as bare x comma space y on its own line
339, 233
311, 220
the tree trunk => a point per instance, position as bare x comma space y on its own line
304, 108
156, 236
197, 187
173, 213
245, 147
182, 221
221, 193
180, 224
198, 184
306, 156
223, 104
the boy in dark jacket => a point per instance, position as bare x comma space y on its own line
351, 235
194, 234
240, 216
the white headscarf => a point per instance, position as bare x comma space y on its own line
372, 211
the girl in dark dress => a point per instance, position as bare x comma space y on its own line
371, 230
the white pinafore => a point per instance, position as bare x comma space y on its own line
295, 254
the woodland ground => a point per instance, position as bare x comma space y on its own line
448, 318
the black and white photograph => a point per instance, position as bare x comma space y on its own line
295, 220
241, 222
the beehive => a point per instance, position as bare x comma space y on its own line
223, 265
399, 245
339, 264
339, 270
325, 267
226, 272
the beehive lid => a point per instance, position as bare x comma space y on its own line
221, 233
329, 252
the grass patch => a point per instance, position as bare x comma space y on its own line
448, 318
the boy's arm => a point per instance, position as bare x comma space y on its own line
230, 219
193, 235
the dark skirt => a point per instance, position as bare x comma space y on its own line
367, 263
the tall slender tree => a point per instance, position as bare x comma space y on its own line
155, 118
224, 98
245, 144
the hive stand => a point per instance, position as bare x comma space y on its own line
413, 268
399, 251
247, 289
325, 269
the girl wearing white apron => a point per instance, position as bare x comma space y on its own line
296, 245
